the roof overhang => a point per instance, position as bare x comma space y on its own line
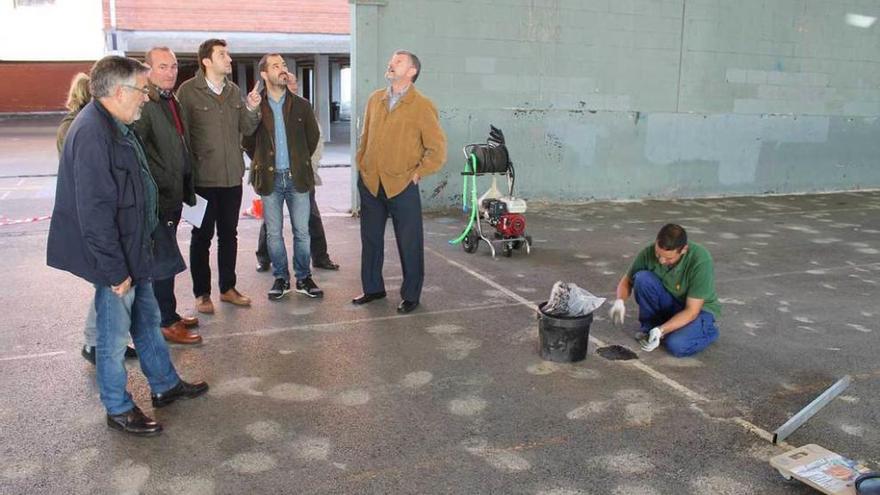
239, 42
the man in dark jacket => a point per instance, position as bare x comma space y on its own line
217, 118
281, 172
318, 241
161, 129
101, 231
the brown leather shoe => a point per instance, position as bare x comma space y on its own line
178, 334
235, 297
204, 305
189, 321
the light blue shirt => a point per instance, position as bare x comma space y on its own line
282, 157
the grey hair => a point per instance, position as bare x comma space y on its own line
414, 60
112, 71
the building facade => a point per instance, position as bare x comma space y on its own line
45, 42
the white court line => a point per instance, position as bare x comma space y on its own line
20, 183
33, 356
5, 195
657, 375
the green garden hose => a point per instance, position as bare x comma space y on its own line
470, 168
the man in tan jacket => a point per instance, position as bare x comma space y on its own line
400, 143
212, 106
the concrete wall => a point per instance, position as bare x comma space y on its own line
643, 98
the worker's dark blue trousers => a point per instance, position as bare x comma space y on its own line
406, 218
657, 306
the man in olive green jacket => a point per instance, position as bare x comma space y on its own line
212, 106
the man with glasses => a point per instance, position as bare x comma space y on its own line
674, 285
101, 231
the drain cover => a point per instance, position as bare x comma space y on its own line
616, 353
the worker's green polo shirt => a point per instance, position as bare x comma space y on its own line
693, 276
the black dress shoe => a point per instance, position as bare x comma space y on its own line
134, 422
182, 390
407, 306
365, 298
325, 264
88, 352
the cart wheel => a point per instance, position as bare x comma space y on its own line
529, 239
507, 249
470, 243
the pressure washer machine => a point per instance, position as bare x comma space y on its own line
503, 213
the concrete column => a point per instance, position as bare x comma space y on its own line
241, 78
321, 100
365, 59
335, 82
291, 68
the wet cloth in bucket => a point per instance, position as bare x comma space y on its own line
567, 299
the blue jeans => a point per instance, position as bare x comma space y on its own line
298, 205
136, 313
657, 306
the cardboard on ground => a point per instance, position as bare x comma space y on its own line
820, 468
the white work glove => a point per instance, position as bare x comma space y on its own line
617, 312
652, 341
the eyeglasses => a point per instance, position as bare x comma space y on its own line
144, 90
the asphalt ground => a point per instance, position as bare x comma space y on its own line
320, 396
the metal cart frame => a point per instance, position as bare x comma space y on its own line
472, 241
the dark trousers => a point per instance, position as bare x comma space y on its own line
222, 211
405, 210
166, 235
318, 246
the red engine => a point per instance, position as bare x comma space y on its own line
511, 225
506, 224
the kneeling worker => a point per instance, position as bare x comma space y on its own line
674, 285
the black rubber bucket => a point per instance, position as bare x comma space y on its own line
563, 339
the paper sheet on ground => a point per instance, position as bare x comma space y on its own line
195, 214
